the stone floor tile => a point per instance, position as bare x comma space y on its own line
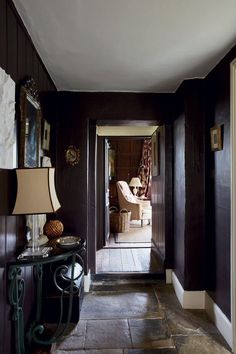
93, 351
151, 351
122, 285
80, 329
200, 345
192, 322
75, 340
166, 296
107, 334
121, 304
150, 333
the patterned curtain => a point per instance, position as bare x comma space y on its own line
144, 170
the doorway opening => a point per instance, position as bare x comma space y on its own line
129, 248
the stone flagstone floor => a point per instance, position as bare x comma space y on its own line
140, 318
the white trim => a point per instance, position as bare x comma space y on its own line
168, 276
188, 299
219, 319
87, 282
233, 197
201, 300
179, 291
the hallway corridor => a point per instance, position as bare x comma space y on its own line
140, 317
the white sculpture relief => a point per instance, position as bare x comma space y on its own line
7, 121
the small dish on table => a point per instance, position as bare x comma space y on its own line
68, 241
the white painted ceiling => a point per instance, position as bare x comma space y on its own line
129, 45
125, 131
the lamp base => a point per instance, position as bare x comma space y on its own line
135, 191
42, 240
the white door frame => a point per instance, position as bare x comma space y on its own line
233, 198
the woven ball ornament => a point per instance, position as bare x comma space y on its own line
53, 228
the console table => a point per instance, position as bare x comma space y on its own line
65, 279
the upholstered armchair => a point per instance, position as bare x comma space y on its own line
140, 209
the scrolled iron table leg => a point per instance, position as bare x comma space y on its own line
16, 298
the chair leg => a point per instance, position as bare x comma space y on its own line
141, 222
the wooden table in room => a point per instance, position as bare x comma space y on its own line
67, 268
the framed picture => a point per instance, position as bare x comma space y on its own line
30, 127
46, 136
156, 153
111, 163
216, 138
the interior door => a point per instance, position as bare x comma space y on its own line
106, 191
102, 192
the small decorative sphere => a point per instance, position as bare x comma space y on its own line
53, 228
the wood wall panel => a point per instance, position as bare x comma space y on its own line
12, 44
179, 196
189, 185
18, 58
162, 236
218, 186
3, 31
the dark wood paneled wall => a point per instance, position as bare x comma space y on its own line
218, 185
71, 114
189, 185
162, 233
18, 58
179, 195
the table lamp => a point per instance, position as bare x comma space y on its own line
36, 194
135, 182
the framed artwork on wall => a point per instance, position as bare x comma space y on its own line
46, 136
111, 163
30, 127
216, 138
156, 153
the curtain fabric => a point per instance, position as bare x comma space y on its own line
144, 170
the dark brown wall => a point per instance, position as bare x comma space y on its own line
189, 185
179, 196
208, 102
218, 185
162, 233
18, 58
71, 114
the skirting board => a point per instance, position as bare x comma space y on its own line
188, 299
168, 276
219, 319
201, 300
87, 282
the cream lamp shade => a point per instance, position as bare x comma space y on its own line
36, 192
135, 182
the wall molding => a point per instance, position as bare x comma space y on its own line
202, 301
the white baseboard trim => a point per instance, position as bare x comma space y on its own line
87, 282
168, 276
188, 299
201, 300
220, 320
